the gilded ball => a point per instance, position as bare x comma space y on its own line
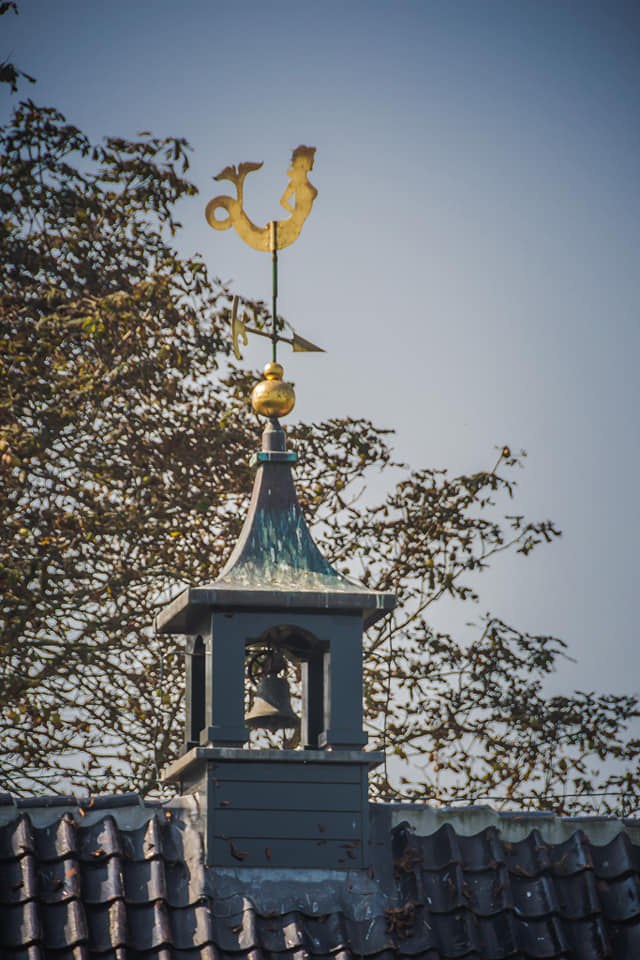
272, 397
273, 371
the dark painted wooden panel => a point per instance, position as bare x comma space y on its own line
317, 825
287, 772
192, 785
287, 796
292, 853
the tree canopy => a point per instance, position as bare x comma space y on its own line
125, 438
9, 72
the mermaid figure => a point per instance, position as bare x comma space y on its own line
297, 200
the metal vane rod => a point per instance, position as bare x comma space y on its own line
274, 289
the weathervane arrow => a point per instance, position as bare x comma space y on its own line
240, 329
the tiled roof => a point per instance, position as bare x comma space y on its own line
483, 896
120, 879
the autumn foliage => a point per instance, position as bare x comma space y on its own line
125, 438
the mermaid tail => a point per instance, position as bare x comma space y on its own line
237, 174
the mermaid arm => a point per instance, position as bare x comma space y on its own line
289, 191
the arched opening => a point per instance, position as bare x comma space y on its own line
298, 687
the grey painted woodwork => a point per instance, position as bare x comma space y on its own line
327, 643
224, 695
313, 705
330, 648
285, 808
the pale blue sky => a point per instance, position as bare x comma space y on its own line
472, 261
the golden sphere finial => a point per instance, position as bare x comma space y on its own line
273, 371
272, 397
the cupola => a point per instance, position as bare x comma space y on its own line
278, 599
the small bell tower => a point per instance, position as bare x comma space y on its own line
276, 600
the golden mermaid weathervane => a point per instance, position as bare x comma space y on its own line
297, 200
284, 232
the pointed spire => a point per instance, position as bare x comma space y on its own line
275, 548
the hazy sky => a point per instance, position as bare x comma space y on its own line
472, 261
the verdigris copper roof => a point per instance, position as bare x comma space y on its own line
275, 546
118, 878
275, 561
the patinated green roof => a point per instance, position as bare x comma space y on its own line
275, 547
275, 562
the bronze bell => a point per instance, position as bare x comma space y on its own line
271, 708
